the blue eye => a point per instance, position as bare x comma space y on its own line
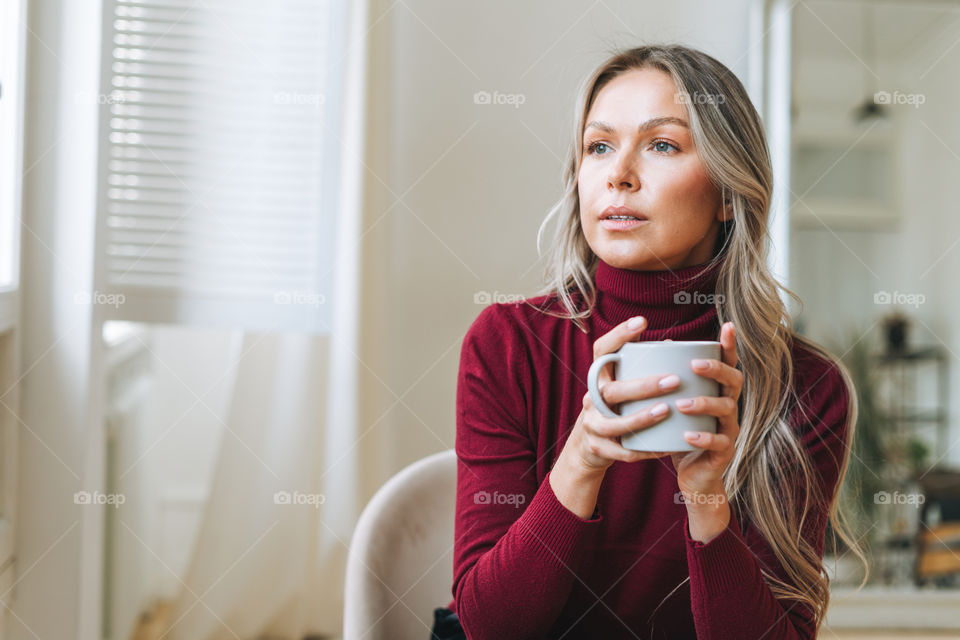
658, 142
592, 147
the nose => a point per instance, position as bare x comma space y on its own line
623, 173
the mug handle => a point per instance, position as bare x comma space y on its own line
592, 378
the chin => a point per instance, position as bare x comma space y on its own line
638, 260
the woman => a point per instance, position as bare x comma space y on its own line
560, 531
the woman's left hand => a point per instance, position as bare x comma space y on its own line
700, 472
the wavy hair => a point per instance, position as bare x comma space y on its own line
731, 143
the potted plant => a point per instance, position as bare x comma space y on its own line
895, 325
868, 472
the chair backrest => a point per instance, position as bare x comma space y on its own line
400, 564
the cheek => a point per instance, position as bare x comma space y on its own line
587, 189
586, 180
690, 193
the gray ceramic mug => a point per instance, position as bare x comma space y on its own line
659, 357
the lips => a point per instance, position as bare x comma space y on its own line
621, 211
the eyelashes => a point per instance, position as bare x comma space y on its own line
592, 147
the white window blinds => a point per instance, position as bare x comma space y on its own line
219, 162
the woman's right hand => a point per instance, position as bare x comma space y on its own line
594, 442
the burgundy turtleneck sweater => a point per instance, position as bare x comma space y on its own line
527, 567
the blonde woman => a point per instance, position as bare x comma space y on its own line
560, 531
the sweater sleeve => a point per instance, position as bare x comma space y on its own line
730, 599
516, 548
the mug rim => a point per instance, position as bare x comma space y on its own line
683, 342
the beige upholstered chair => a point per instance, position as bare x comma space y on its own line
400, 565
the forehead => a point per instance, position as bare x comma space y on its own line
636, 96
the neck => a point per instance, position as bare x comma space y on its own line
678, 304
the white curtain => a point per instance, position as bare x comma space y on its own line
254, 554
271, 551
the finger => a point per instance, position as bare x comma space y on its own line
729, 425
611, 341
618, 336
613, 427
609, 449
720, 407
723, 408
728, 344
726, 375
708, 441
617, 391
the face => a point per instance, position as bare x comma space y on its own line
638, 153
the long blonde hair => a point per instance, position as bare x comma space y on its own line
728, 134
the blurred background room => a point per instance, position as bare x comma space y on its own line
241, 242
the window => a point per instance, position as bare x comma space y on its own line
11, 81
218, 170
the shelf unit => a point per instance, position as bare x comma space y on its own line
915, 544
902, 370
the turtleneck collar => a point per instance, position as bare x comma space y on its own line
678, 304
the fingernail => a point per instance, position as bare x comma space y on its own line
669, 381
700, 364
684, 403
636, 322
691, 435
659, 409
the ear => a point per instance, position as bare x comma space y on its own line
725, 211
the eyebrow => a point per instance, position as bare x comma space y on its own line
646, 126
